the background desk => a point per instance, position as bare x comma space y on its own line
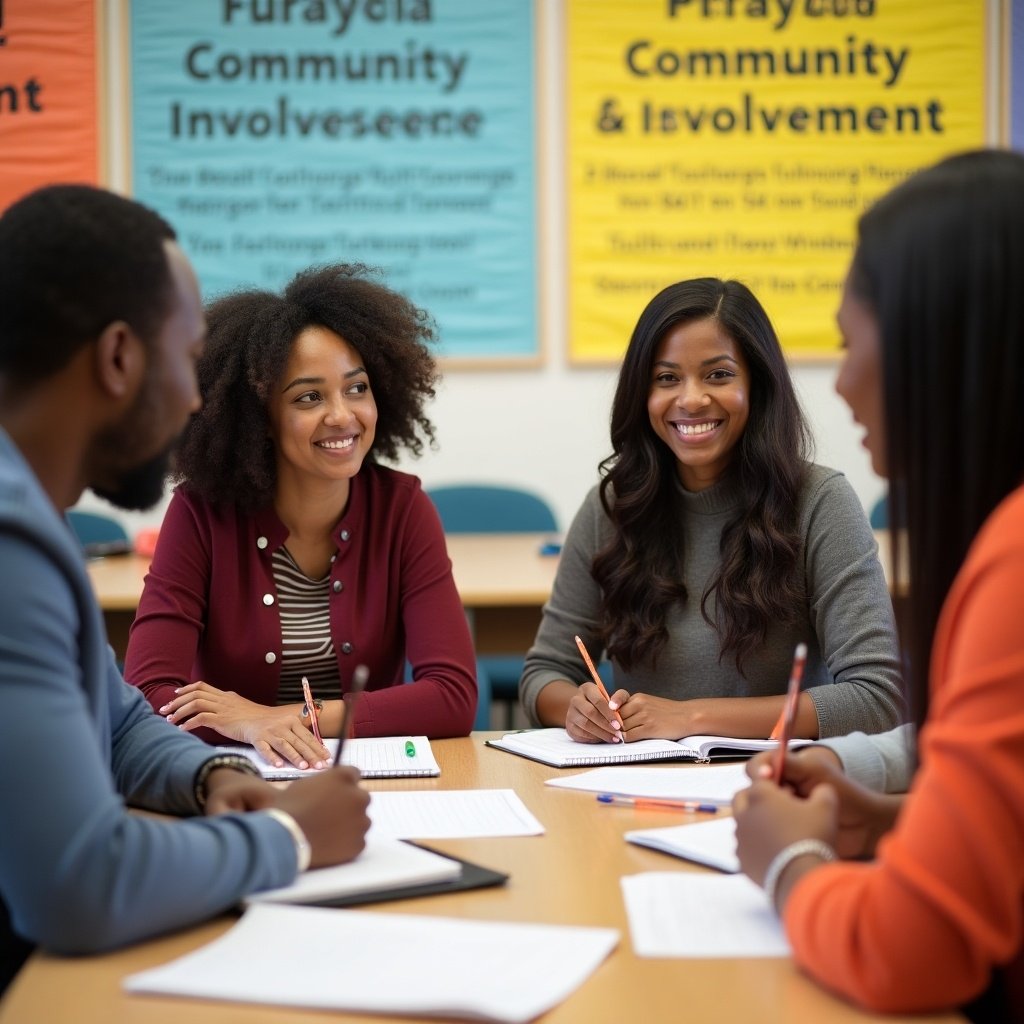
570, 875
503, 581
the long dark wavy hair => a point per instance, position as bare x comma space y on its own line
641, 570
226, 455
940, 262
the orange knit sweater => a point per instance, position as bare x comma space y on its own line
923, 926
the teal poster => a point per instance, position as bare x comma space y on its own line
279, 134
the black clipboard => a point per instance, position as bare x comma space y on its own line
473, 876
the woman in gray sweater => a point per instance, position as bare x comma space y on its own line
711, 547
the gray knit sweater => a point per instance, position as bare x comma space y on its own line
852, 672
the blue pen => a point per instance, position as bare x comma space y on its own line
653, 804
410, 748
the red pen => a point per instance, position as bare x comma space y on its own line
784, 727
598, 683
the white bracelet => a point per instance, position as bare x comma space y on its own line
786, 856
303, 851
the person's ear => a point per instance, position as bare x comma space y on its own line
120, 361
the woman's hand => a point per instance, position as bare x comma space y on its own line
769, 818
277, 733
863, 816
592, 719
648, 718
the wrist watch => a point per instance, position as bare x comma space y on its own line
317, 703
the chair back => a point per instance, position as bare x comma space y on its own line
98, 534
480, 508
879, 517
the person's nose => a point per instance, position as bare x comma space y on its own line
337, 412
692, 396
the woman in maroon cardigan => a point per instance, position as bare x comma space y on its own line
287, 551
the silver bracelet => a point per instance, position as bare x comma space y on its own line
303, 851
786, 856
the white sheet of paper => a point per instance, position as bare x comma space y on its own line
701, 916
707, 842
447, 968
383, 864
450, 814
708, 783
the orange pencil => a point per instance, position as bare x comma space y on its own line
311, 708
784, 727
597, 681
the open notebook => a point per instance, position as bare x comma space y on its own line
554, 747
376, 757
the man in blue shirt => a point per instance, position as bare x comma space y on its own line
100, 327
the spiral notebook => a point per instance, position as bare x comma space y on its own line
556, 748
376, 757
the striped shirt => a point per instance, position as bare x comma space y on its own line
306, 645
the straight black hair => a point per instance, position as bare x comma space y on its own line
641, 570
940, 261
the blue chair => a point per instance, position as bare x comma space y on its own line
879, 517
98, 534
476, 508
479, 508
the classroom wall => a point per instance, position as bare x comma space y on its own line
546, 428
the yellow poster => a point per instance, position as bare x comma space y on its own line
742, 139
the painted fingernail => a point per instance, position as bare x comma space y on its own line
613, 705
164, 708
303, 764
615, 725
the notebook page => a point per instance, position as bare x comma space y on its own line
710, 842
383, 864
375, 757
351, 965
700, 915
555, 746
707, 783
450, 814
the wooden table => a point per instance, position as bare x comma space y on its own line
570, 875
503, 580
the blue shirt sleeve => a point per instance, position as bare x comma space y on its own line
78, 872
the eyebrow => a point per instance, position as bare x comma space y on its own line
724, 357
319, 380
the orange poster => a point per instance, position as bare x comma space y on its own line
48, 94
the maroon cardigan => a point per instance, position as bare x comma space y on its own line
209, 608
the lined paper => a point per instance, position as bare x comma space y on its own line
701, 916
451, 814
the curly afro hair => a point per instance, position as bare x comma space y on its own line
226, 455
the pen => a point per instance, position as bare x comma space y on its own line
311, 710
359, 678
598, 683
410, 748
784, 727
653, 804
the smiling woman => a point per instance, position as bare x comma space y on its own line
288, 552
712, 547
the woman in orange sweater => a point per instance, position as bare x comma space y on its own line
933, 320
